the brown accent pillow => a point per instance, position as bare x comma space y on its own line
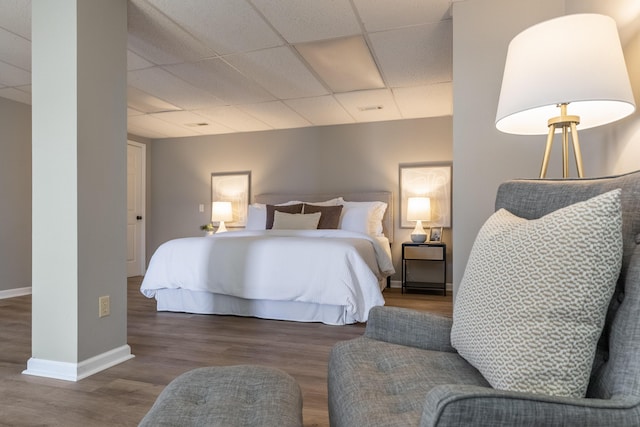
292, 209
329, 215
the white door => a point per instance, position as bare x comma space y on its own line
136, 161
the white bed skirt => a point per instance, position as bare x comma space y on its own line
184, 300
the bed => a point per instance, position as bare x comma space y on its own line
334, 274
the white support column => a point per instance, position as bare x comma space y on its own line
79, 186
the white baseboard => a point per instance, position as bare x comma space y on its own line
398, 284
77, 371
17, 292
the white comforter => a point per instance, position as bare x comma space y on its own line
333, 267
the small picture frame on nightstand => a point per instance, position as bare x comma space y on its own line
435, 235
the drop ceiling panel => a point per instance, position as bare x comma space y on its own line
322, 110
133, 112
167, 86
13, 76
234, 118
223, 81
156, 38
279, 71
276, 114
192, 122
136, 62
135, 129
415, 56
15, 50
425, 101
154, 124
192, 55
303, 21
225, 26
146, 103
15, 95
16, 17
384, 15
370, 105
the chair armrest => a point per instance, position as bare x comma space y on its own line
456, 405
412, 328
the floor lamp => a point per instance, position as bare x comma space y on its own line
562, 73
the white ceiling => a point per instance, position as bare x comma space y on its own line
232, 65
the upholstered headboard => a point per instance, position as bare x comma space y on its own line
366, 196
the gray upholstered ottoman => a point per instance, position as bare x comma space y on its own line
242, 395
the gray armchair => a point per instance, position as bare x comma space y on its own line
404, 371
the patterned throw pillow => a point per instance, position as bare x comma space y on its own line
535, 293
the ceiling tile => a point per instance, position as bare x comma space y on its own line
320, 110
344, 64
233, 118
15, 95
166, 86
133, 112
223, 81
303, 21
15, 50
279, 71
192, 122
136, 62
16, 17
370, 105
425, 101
13, 76
156, 38
142, 101
385, 15
416, 55
225, 26
276, 114
146, 132
154, 124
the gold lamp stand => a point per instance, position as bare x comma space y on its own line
567, 124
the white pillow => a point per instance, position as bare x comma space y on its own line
535, 293
257, 217
363, 217
287, 221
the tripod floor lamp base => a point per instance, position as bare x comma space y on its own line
568, 125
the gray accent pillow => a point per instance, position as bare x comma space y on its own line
534, 296
292, 209
330, 215
287, 221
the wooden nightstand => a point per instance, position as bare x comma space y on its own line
424, 252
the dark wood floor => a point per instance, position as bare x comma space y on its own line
166, 345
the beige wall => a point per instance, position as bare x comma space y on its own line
318, 159
15, 195
485, 157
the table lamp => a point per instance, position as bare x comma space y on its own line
418, 209
561, 73
221, 212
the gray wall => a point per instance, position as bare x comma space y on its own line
345, 158
484, 157
15, 195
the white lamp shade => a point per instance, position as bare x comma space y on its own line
574, 59
419, 209
221, 211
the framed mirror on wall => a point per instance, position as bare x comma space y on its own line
432, 180
234, 187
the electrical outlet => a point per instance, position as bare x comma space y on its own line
201, 208
105, 306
